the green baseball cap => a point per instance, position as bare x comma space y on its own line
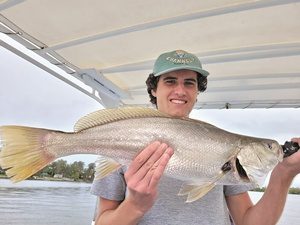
177, 60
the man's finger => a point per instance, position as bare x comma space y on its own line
147, 167
160, 168
141, 158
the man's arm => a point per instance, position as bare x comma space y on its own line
116, 213
142, 178
269, 208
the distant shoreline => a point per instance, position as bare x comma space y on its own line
292, 190
50, 179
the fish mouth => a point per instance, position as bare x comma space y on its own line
241, 171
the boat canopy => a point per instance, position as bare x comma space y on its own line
107, 48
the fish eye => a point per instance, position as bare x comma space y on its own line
269, 146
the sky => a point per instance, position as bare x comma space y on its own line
30, 96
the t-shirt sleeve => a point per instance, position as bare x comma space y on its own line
112, 187
237, 189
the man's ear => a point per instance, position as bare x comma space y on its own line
153, 93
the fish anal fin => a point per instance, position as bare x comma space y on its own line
195, 192
105, 166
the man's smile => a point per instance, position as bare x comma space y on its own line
178, 101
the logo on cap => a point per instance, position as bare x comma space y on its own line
180, 57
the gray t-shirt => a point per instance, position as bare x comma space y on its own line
169, 208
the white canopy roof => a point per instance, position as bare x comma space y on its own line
250, 48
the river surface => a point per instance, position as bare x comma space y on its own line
69, 203
45, 203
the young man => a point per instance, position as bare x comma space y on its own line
140, 194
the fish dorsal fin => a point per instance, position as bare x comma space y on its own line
104, 116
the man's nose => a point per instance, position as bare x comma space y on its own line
180, 90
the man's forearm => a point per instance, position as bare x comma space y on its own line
124, 214
269, 208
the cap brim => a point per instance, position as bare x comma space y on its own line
185, 67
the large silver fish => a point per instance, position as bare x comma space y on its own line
204, 154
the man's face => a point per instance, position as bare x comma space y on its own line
176, 92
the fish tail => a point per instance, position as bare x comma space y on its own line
23, 151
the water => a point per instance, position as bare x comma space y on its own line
290, 214
66, 203
45, 203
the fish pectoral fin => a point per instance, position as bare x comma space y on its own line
187, 188
194, 191
105, 166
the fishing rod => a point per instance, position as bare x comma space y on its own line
289, 148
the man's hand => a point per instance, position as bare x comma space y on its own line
291, 164
144, 173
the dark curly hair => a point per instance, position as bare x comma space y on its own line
152, 82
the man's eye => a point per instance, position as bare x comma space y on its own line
190, 83
170, 81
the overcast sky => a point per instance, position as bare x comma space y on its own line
30, 96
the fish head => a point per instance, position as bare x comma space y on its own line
257, 158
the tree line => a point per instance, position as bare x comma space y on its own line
60, 169
292, 190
